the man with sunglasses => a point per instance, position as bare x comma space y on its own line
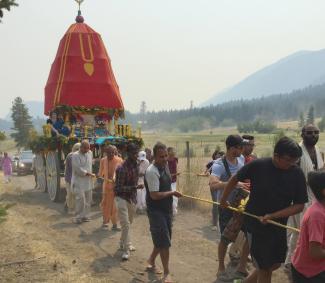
311, 160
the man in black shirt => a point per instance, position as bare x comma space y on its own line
278, 190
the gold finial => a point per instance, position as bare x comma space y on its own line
79, 2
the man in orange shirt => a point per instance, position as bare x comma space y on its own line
107, 169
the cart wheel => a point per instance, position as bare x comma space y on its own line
40, 172
53, 175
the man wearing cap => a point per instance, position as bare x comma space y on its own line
141, 193
222, 170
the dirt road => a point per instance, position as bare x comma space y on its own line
37, 229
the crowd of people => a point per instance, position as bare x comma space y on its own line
274, 189
141, 182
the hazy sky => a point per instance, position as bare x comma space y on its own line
165, 52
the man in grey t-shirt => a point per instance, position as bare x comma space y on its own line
160, 208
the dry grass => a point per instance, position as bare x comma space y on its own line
202, 145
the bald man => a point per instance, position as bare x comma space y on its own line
81, 181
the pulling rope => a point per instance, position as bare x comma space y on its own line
244, 212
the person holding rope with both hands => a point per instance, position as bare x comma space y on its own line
158, 183
222, 170
278, 190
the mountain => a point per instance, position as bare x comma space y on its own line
297, 71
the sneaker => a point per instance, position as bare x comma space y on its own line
214, 228
125, 256
77, 221
115, 228
85, 219
131, 248
105, 226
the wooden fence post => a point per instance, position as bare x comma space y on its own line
188, 165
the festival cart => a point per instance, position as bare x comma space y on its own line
83, 101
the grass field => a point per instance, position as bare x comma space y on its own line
202, 145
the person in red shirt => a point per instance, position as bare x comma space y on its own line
308, 260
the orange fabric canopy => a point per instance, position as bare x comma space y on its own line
81, 74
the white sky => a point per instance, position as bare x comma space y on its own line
166, 53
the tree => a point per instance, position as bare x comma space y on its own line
311, 115
6, 4
2, 136
143, 111
22, 122
301, 122
321, 124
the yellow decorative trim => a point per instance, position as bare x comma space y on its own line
63, 66
88, 65
60, 72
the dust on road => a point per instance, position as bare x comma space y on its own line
56, 250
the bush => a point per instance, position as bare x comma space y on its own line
258, 126
2, 136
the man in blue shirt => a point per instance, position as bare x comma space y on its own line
222, 170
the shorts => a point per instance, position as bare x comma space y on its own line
299, 278
160, 228
268, 246
224, 217
232, 229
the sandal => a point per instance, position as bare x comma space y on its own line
240, 274
167, 279
153, 269
224, 276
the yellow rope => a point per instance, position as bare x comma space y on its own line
245, 213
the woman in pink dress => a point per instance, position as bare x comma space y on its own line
7, 167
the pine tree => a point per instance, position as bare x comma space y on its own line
311, 115
6, 4
22, 122
321, 124
301, 122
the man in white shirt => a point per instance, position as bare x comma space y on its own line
81, 181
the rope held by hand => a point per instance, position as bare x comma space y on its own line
244, 212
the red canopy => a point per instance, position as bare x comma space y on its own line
81, 74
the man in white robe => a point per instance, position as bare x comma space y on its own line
81, 181
311, 160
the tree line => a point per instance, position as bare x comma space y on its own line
265, 110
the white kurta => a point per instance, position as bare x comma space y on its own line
307, 166
81, 165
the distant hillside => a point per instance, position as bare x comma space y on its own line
272, 108
301, 69
5, 125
